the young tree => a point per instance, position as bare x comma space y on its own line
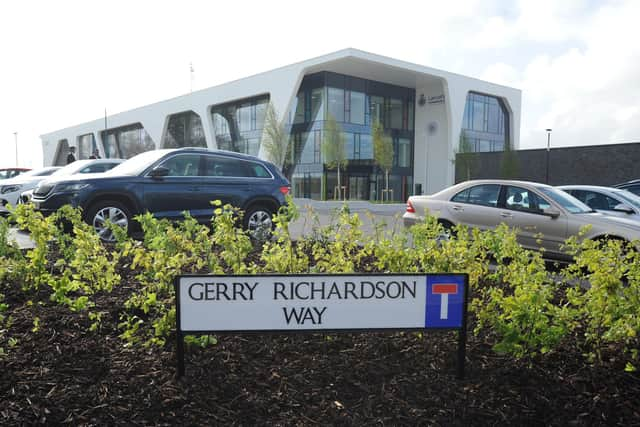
333, 148
509, 163
276, 138
382, 151
465, 158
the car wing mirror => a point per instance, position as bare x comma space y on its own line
623, 207
159, 172
551, 212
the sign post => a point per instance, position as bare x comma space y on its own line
297, 303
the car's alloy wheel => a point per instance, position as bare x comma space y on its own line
259, 224
113, 214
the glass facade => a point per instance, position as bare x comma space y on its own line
126, 142
184, 130
485, 124
238, 125
86, 145
355, 104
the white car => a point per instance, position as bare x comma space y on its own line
11, 189
608, 200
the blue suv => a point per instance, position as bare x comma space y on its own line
168, 182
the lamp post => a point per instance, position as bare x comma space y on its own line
15, 134
548, 151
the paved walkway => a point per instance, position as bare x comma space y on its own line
21, 238
354, 206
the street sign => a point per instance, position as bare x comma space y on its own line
445, 301
295, 303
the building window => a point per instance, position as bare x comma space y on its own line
110, 146
244, 117
184, 130
86, 145
357, 108
258, 115
356, 104
335, 105
317, 146
127, 141
395, 106
238, 126
299, 110
317, 104
366, 147
485, 123
303, 152
404, 152
377, 109
356, 146
409, 115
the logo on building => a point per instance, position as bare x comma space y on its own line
438, 99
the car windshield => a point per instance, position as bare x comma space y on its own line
565, 200
44, 172
71, 168
137, 164
12, 173
32, 175
629, 197
38, 172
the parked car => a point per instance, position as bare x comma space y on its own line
11, 190
632, 186
538, 212
168, 182
8, 173
608, 200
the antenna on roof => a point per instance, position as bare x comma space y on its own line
191, 71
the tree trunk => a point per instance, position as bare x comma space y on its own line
386, 172
339, 187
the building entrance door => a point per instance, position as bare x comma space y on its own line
358, 187
306, 186
373, 188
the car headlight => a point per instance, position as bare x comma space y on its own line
10, 188
67, 188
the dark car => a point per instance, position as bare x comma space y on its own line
632, 186
168, 182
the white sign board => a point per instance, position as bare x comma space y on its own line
308, 302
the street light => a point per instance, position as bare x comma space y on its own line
548, 151
15, 134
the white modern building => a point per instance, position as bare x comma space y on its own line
425, 111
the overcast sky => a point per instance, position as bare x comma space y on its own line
64, 62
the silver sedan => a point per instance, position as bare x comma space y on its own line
609, 201
542, 216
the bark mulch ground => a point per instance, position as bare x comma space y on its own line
63, 374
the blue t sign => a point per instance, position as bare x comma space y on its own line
445, 301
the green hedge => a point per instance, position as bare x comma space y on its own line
517, 305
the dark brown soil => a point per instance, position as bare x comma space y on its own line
61, 373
